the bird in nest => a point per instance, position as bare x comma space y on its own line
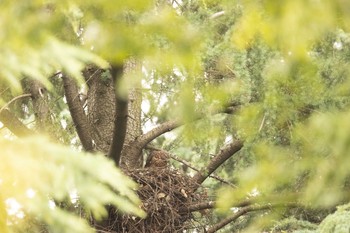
158, 159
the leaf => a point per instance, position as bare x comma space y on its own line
54, 171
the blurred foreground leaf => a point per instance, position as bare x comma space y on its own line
35, 174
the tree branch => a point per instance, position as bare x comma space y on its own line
14, 99
198, 207
157, 131
219, 159
16, 126
165, 127
77, 112
121, 118
245, 210
197, 170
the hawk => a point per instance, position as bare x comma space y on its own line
158, 158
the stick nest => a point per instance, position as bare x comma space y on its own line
165, 196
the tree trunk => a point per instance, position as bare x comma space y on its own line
101, 107
131, 156
102, 111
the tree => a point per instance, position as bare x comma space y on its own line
250, 91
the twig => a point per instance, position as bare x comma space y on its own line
262, 123
217, 14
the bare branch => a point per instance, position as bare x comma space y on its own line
248, 209
157, 131
219, 159
198, 207
77, 112
165, 127
16, 126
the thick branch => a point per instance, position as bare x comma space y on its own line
121, 118
197, 207
245, 210
11, 122
77, 112
219, 159
157, 131
165, 127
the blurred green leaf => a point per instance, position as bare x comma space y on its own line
52, 173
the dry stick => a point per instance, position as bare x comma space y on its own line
167, 126
245, 210
215, 162
77, 112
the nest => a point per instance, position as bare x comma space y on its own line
165, 196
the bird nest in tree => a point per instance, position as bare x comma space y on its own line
165, 195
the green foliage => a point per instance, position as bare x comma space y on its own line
294, 102
33, 176
294, 225
337, 222
285, 65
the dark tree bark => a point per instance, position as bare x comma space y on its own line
40, 102
120, 119
131, 157
77, 112
16, 126
218, 159
101, 107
